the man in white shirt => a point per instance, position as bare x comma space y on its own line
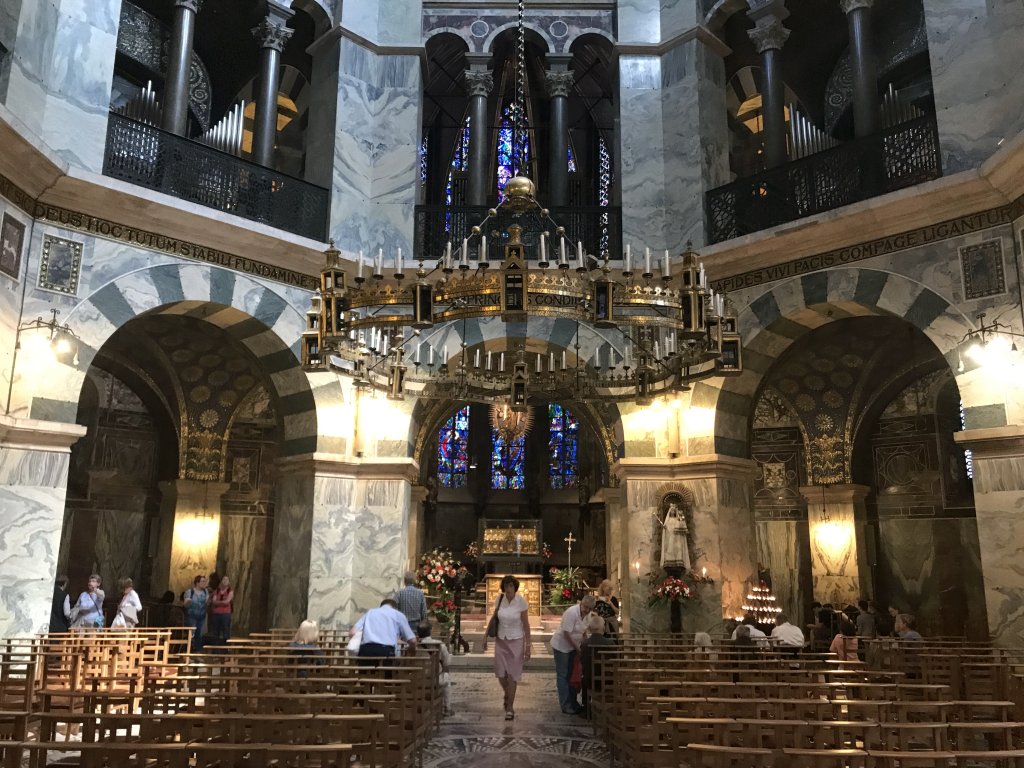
382, 628
787, 635
565, 644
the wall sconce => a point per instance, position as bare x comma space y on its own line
57, 341
988, 344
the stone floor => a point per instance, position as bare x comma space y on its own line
477, 735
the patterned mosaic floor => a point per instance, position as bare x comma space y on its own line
477, 735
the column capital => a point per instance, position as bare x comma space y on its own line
189, 5
478, 82
848, 6
834, 494
559, 83
272, 33
769, 34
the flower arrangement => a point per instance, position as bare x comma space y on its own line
670, 590
472, 550
545, 551
565, 582
443, 610
437, 571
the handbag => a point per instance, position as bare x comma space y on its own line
576, 676
354, 641
492, 625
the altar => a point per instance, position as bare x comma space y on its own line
530, 587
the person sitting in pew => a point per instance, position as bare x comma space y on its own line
755, 635
305, 646
844, 644
596, 637
787, 635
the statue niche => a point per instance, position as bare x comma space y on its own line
673, 514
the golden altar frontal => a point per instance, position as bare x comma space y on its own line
530, 588
511, 541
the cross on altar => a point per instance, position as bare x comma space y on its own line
569, 540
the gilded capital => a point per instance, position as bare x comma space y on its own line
768, 34
478, 82
852, 5
271, 34
559, 83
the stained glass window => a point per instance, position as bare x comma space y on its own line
507, 462
563, 443
452, 450
968, 453
460, 162
423, 161
604, 187
511, 158
572, 160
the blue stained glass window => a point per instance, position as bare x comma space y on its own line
507, 462
511, 158
563, 445
460, 162
572, 160
604, 186
423, 160
452, 450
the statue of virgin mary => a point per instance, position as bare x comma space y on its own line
675, 544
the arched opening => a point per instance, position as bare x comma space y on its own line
177, 473
861, 491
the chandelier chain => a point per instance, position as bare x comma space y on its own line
520, 116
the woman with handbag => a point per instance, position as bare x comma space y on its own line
129, 608
510, 628
87, 614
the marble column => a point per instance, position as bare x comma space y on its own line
559, 82
272, 34
673, 141
865, 77
179, 57
616, 553
835, 517
998, 455
722, 536
189, 533
351, 524
417, 495
479, 82
34, 460
769, 35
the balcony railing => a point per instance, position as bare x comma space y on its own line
598, 228
150, 157
897, 157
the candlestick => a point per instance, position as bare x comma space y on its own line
629, 256
561, 253
359, 264
430, 356
647, 261
543, 249
551, 361
563, 359
416, 357
636, 565
464, 261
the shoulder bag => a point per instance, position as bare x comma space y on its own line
492, 625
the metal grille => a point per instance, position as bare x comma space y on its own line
589, 224
898, 157
150, 157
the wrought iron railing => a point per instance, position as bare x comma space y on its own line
599, 228
150, 157
897, 157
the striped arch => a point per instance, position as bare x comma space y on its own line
777, 318
252, 313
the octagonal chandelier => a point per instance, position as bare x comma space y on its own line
636, 335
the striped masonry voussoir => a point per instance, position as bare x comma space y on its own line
112, 304
167, 279
870, 284
815, 288
926, 309
766, 309
222, 286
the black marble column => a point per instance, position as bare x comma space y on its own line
272, 36
179, 59
769, 35
865, 77
559, 83
479, 83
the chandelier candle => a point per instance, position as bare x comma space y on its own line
464, 260
378, 267
666, 267
483, 251
359, 266
543, 250
629, 256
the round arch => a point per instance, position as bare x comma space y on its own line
773, 321
211, 294
533, 32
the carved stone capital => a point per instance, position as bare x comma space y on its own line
768, 34
478, 82
852, 5
189, 5
559, 83
270, 34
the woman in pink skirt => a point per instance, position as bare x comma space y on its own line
512, 645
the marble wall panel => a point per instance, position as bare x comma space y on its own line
290, 549
974, 47
931, 568
782, 547
32, 492
61, 70
242, 558
833, 541
639, 21
359, 546
641, 152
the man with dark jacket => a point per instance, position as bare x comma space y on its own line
60, 608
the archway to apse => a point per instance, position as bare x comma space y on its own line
178, 472
861, 491
554, 473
